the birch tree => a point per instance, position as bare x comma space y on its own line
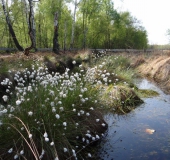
55, 38
73, 24
31, 29
20, 48
33, 24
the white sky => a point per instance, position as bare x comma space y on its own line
153, 14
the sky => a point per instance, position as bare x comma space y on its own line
153, 14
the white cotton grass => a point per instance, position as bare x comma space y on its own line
5, 98
65, 149
47, 139
57, 116
87, 114
10, 150
74, 62
103, 124
12, 109
74, 153
30, 113
65, 124
89, 155
55, 103
45, 135
21, 152
30, 135
16, 156
18, 102
97, 120
3, 111
52, 143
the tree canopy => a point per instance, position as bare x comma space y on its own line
96, 25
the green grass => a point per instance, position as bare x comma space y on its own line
63, 106
66, 109
16, 65
119, 66
3, 67
145, 93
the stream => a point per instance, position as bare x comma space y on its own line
142, 134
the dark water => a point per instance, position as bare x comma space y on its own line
127, 138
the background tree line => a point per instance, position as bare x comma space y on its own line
88, 24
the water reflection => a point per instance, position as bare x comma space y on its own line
128, 137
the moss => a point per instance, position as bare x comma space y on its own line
146, 93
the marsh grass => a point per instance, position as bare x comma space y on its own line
62, 106
62, 111
114, 78
146, 93
118, 66
3, 67
13, 64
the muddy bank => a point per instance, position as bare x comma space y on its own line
156, 68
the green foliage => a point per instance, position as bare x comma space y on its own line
129, 33
98, 25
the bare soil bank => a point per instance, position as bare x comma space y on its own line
155, 67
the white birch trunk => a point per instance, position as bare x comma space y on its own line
73, 24
33, 29
33, 25
55, 38
5, 12
11, 31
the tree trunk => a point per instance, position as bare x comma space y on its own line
55, 38
65, 34
73, 25
39, 30
27, 50
85, 29
11, 29
33, 27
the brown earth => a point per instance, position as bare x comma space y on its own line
155, 67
